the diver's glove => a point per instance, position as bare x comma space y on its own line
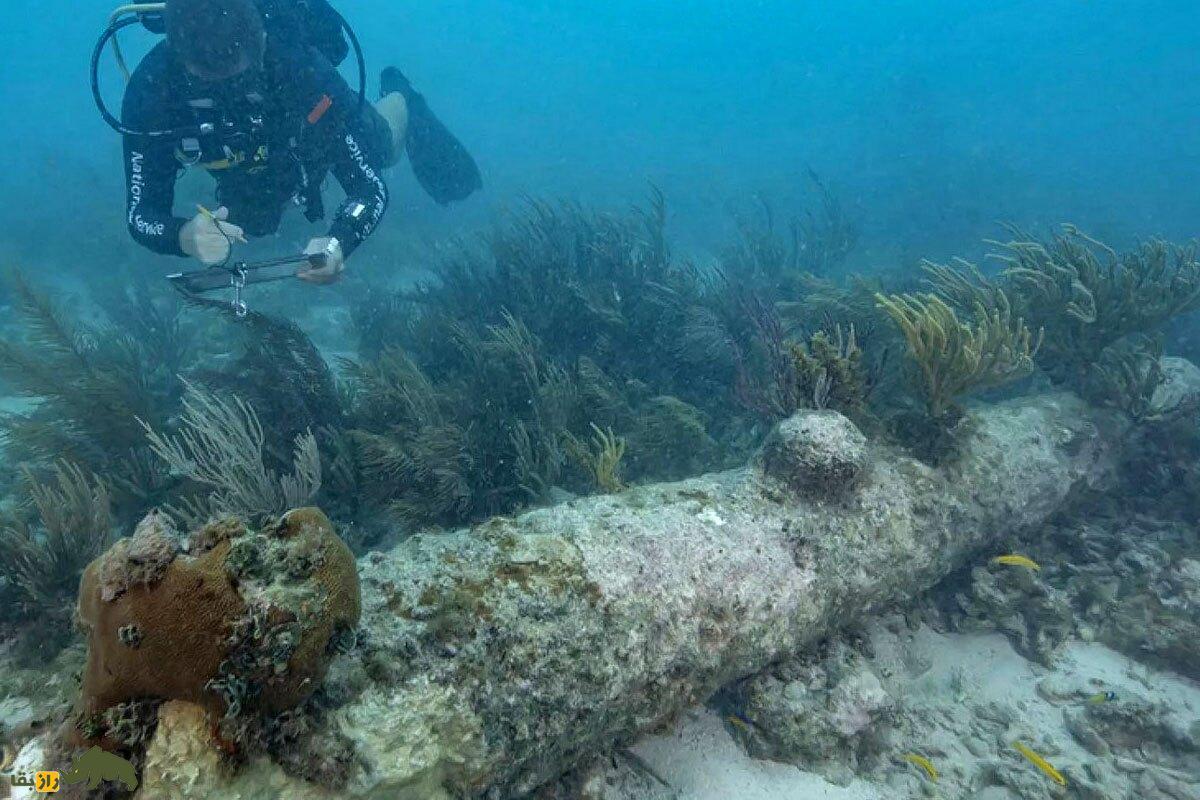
208, 238
327, 263
444, 168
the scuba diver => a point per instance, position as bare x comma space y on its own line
249, 90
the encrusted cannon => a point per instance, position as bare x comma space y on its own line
498, 657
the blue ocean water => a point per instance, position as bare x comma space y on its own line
932, 119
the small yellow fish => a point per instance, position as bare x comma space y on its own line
1017, 561
1041, 763
742, 723
1102, 697
924, 763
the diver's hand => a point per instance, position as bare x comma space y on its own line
334, 263
208, 237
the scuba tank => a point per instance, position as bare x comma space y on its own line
312, 23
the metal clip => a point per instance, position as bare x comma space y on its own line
238, 281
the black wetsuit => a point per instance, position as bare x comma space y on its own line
298, 120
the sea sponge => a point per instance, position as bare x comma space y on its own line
243, 624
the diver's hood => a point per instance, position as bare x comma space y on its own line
251, 82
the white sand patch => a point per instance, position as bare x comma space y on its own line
996, 672
987, 672
17, 405
30, 760
957, 686
701, 761
16, 713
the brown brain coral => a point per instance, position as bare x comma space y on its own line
247, 622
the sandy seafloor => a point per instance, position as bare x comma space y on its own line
701, 759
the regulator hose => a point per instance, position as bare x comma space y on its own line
359, 59
115, 27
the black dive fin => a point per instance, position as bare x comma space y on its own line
444, 168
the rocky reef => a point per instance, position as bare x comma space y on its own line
829, 712
1125, 573
900, 710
